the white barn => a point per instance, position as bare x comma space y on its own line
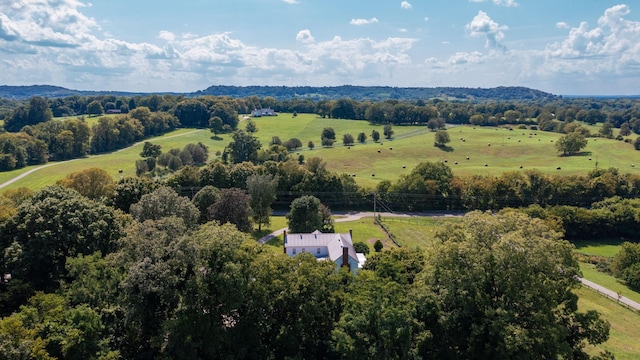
326, 246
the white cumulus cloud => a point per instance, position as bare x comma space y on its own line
363, 21
483, 25
291, 1
562, 25
507, 3
405, 5
304, 36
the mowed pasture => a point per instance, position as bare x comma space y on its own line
500, 149
472, 151
624, 332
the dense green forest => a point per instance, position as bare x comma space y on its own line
161, 265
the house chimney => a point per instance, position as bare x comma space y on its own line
345, 257
284, 246
351, 235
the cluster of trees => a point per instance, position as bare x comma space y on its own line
84, 280
157, 163
34, 138
626, 264
432, 185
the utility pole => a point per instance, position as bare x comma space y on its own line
374, 207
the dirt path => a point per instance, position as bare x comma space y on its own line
27, 173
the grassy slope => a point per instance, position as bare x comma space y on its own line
590, 273
111, 162
411, 145
624, 333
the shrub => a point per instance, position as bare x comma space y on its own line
377, 246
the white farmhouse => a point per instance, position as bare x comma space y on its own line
324, 246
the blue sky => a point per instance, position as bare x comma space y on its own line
590, 47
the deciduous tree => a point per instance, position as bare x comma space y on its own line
442, 137
503, 287
165, 202
262, 192
50, 226
243, 147
232, 207
304, 215
94, 183
571, 143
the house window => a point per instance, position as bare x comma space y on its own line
302, 249
294, 251
318, 251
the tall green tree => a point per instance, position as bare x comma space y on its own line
262, 193
503, 284
94, 183
243, 147
150, 150
378, 321
95, 108
306, 216
52, 225
165, 202
159, 259
571, 143
233, 206
328, 133
442, 137
626, 264
387, 131
375, 135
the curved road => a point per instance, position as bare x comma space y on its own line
27, 173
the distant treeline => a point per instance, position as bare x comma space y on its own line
140, 117
371, 93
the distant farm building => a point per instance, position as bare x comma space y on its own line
263, 112
335, 247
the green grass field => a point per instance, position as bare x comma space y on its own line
589, 272
625, 332
499, 148
600, 247
111, 162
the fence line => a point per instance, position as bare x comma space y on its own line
614, 298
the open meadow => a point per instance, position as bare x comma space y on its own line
500, 149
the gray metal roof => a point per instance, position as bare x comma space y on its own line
333, 242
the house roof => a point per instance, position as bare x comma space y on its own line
333, 242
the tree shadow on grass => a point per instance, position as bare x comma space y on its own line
579, 154
444, 148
